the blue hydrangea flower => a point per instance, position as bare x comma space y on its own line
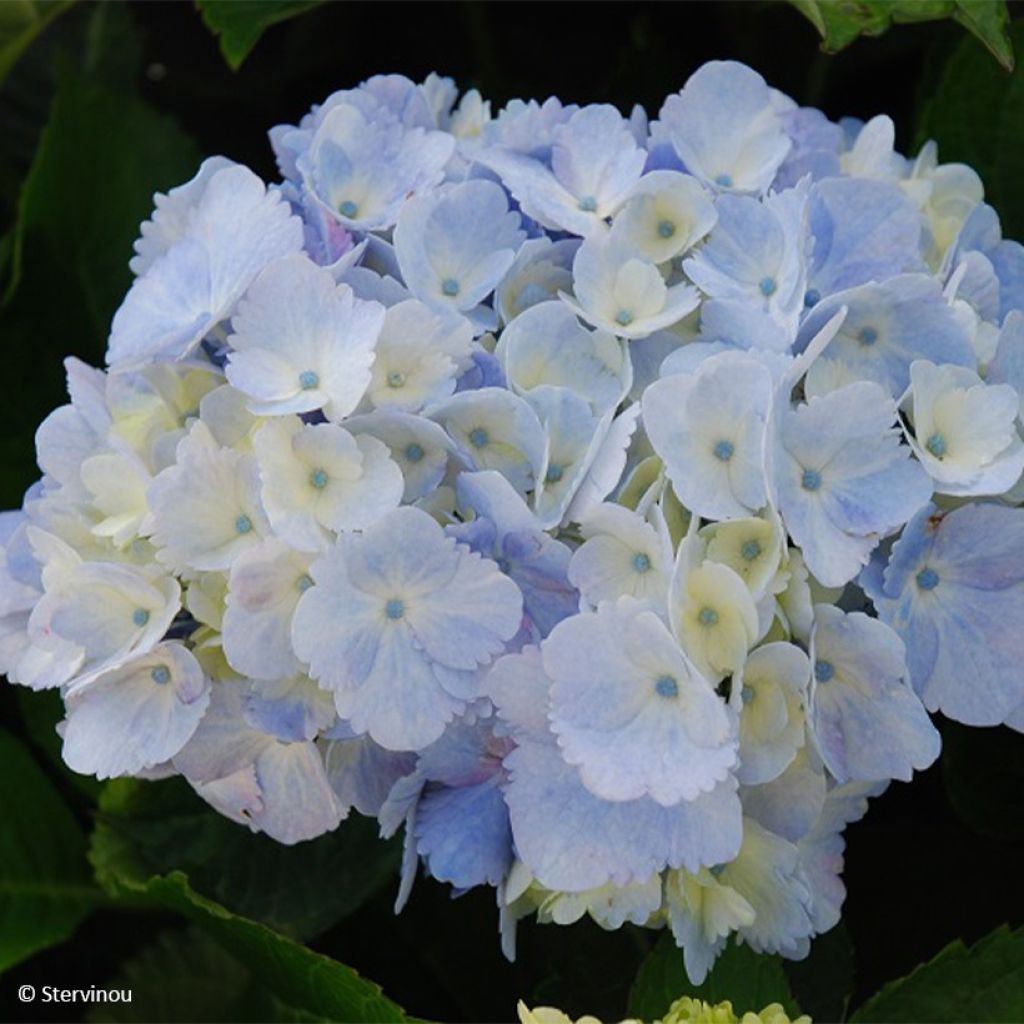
235, 229
362, 167
887, 327
135, 716
302, 342
618, 290
709, 429
725, 129
571, 838
396, 624
594, 162
953, 590
863, 231
843, 478
867, 722
454, 247
630, 709
755, 254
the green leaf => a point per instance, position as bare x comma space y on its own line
45, 889
984, 776
240, 23
974, 113
985, 982
990, 22
150, 828
298, 977
749, 980
822, 982
102, 156
840, 22
20, 22
184, 975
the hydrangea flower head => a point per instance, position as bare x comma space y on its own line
553, 486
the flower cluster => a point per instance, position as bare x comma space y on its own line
526, 480
684, 1010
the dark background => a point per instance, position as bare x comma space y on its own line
934, 861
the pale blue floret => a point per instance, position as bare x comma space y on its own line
318, 478
844, 479
161, 675
863, 231
140, 617
401, 676
953, 588
867, 721
641, 562
243, 524
723, 450
754, 255
887, 326
309, 379
723, 128
414, 452
454, 247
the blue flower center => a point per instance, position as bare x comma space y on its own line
396, 379
624, 317
927, 578
450, 287
554, 474
318, 478
811, 480
348, 208
243, 524
936, 444
308, 379
161, 675
666, 228
723, 450
747, 694
303, 583
140, 617
750, 550
708, 617
588, 204
641, 563
478, 437
724, 180
394, 609
824, 671
812, 297
767, 286
867, 336
666, 687
414, 452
